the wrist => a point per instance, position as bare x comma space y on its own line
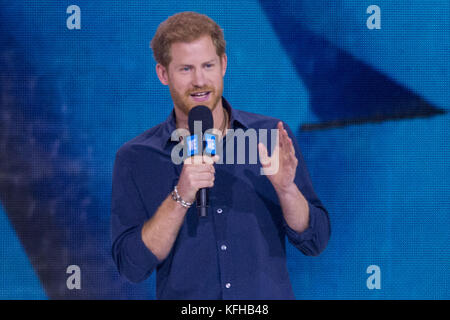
176, 197
289, 189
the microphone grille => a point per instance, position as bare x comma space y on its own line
203, 114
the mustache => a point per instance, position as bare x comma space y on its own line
200, 90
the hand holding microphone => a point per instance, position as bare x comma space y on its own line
198, 171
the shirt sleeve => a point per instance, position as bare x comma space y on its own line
128, 215
313, 240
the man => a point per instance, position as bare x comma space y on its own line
238, 250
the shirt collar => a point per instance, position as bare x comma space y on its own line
236, 120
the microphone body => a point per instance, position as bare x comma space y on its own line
202, 200
200, 115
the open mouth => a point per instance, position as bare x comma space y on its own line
200, 96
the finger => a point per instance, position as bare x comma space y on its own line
263, 156
281, 128
201, 168
292, 156
216, 158
290, 153
288, 145
284, 136
208, 159
278, 145
280, 125
286, 141
196, 159
201, 159
281, 135
204, 176
292, 149
204, 184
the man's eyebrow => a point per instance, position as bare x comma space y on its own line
190, 65
210, 61
183, 65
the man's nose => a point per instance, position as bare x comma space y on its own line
198, 78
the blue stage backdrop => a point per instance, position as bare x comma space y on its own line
369, 108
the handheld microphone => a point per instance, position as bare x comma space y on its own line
200, 119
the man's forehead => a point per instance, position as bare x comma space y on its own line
200, 48
204, 40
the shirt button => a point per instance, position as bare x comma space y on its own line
228, 285
223, 247
219, 210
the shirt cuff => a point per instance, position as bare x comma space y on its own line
298, 238
139, 255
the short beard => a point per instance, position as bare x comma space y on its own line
184, 105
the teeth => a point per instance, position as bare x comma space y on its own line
199, 94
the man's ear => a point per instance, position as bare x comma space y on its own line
162, 73
223, 61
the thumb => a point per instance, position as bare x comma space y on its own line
211, 159
263, 156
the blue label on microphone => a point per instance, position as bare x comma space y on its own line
210, 144
192, 145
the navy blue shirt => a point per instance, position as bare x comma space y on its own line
238, 250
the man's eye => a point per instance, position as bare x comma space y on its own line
209, 65
185, 69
